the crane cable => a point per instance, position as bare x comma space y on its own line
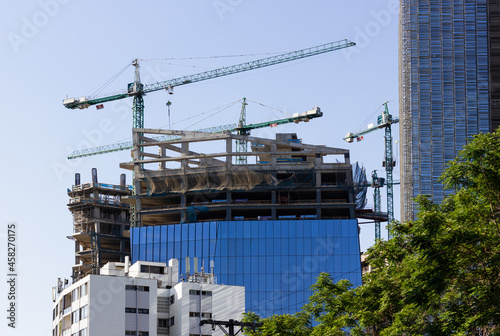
269, 107
106, 84
175, 64
207, 57
222, 108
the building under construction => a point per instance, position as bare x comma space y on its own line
272, 224
288, 180
100, 224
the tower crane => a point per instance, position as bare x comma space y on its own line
137, 90
241, 129
384, 121
241, 145
377, 183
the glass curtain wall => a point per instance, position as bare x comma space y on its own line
276, 261
444, 89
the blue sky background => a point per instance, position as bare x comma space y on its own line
51, 49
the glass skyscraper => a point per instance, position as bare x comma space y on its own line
276, 260
448, 87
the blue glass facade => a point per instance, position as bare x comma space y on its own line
444, 89
276, 260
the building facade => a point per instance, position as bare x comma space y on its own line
145, 299
449, 88
271, 225
276, 261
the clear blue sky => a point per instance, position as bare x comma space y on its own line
54, 48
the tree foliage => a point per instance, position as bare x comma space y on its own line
439, 275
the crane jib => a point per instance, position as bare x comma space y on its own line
85, 102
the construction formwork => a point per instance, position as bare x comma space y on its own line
283, 179
101, 225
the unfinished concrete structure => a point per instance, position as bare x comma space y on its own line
100, 224
287, 179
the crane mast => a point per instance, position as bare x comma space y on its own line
389, 165
377, 183
385, 120
138, 102
241, 145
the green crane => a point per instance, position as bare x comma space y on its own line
385, 120
137, 90
377, 183
241, 145
241, 129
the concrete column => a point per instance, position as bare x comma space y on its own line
162, 153
184, 152
273, 156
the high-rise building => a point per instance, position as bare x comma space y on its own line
271, 225
449, 87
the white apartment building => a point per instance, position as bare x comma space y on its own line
144, 299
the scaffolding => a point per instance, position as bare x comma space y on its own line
405, 129
100, 225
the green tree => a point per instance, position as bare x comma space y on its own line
439, 275
298, 324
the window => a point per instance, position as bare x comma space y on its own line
162, 323
172, 321
129, 332
203, 315
152, 269
137, 288
83, 289
172, 299
143, 311
206, 293
75, 316
75, 294
83, 332
194, 292
143, 333
130, 310
84, 312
